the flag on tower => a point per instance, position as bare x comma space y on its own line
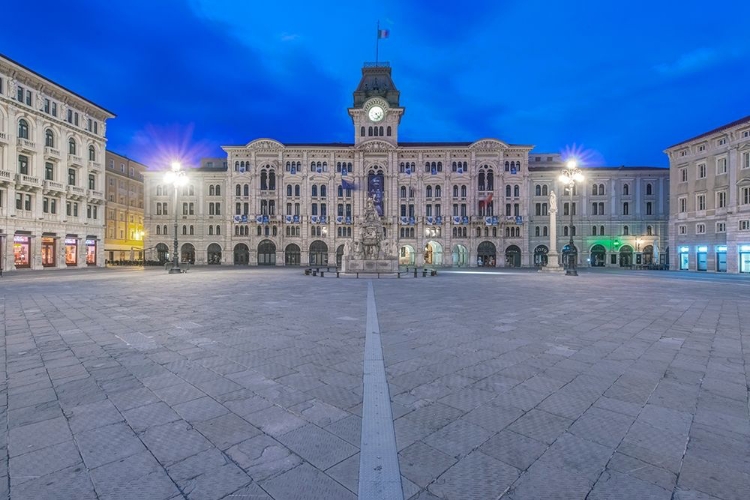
383, 34
348, 185
486, 201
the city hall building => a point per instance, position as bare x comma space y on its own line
455, 204
52, 146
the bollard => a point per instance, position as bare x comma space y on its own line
415, 272
337, 274
322, 274
315, 273
424, 273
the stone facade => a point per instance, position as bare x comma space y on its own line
124, 208
458, 204
52, 146
709, 213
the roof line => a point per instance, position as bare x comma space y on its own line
710, 132
57, 84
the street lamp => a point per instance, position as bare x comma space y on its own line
569, 177
177, 178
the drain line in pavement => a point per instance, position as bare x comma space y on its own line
379, 473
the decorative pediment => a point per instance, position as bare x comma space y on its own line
265, 145
376, 145
488, 144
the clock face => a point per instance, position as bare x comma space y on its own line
376, 113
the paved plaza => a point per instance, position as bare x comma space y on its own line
246, 384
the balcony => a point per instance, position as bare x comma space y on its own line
94, 165
26, 182
51, 152
76, 192
53, 187
26, 145
4, 137
6, 177
75, 160
96, 196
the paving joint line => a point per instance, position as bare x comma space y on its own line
379, 471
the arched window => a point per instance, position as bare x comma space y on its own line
538, 192
593, 229
507, 166
314, 190
649, 231
648, 188
184, 229
192, 230
565, 231
544, 231
323, 190
516, 191
158, 229
369, 131
388, 131
544, 190
218, 190
490, 181
49, 139
296, 190
71, 146
211, 190
429, 191
381, 131
210, 230
92, 153
438, 192
601, 230
236, 166
289, 190
238, 190
23, 129
536, 231
403, 191
340, 191
601, 189
246, 190
625, 189
507, 191
375, 131
625, 230
218, 231
463, 191
164, 230
595, 191
362, 131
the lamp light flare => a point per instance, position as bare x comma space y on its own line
176, 166
572, 163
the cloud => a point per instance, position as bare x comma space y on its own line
695, 61
289, 37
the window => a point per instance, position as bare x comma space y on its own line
71, 177
700, 202
49, 171
625, 189
721, 141
625, 208
721, 199
49, 139
745, 162
23, 165
649, 189
683, 175
721, 166
625, 230
682, 204
23, 129
745, 225
721, 227
648, 208
92, 181
649, 231
682, 229
701, 171
92, 154
71, 146
700, 229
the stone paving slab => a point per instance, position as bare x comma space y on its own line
503, 384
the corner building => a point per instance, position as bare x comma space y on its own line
52, 146
124, 209
449, 204
709, 216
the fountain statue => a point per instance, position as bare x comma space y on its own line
371, 253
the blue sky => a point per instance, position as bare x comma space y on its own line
621, 80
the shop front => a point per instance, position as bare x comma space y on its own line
22, 251
721, 258
744, 258
684, 253
701, 258
48, 250
71, 250
91, 250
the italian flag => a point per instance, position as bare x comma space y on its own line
383, 34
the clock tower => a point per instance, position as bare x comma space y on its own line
376, 112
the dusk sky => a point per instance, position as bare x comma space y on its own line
622, 80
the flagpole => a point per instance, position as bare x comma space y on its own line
377, 42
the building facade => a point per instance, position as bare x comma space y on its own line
443, 204
709, 213
52, 146
123, 240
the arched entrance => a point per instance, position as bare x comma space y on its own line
486, 254
187, 254
540, 255
241, 254
433, 254
214, 254
266, 253
648, 255
292, 255
598, 256
406, 256
339, 255
460, 256
567, 254
513, 256
626, 256
318, 253
162, 253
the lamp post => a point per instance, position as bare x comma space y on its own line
177, 178
569, 177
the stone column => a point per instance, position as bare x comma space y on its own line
552, 257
